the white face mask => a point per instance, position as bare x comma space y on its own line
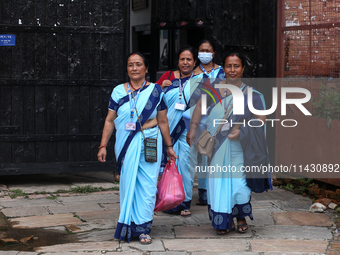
205, 57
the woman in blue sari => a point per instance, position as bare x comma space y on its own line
134, 105
176, 87
228, 193
207, 72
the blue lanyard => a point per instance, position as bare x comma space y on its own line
225, 95
204, 71
133, 103
225, 90
181, 88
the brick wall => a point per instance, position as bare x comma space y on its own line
314, 51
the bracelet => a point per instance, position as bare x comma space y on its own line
194, 123
168, 145
102, 146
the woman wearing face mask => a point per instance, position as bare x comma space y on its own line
207, 72
207, 68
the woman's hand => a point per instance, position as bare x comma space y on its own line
166, 83
188, 138
191, 136
102, 154
171, 153
150, 123
234, 134
107, 132
194, 122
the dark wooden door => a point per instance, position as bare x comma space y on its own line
55, 83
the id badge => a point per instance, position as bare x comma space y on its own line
130, 126
225, 127
179, 106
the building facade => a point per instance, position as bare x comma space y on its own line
57, 77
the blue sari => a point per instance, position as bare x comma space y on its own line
138, 179
228, 193
214, 77
178, 133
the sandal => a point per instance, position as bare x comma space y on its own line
200, 203
224, 231
145, 237
241, 226
116, 177
185, 213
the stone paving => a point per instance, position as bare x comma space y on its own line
85, 224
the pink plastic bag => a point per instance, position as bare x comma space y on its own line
170, 188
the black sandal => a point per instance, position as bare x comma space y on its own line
185, 213
224, 231
241, 226
200, 203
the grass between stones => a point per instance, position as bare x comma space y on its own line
78, 189
17, 193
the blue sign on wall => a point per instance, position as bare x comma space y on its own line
7, 40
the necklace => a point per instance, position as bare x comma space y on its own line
133, 87
206, 72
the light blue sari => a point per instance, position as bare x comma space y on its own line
178, 133
228, 193
138, 179
216, 75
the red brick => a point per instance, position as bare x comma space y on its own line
335, 246
324, 201
8, 241
314, 191
329, 194
26, 239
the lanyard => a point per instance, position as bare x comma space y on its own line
204, 71
225, 90
181, 88
225, 95
133, 103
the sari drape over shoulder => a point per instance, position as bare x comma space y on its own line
228, 193
138, 178
210, 79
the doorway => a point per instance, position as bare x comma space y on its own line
170, 41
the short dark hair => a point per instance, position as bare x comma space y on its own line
188, 48
237, 54
207, 41
145, 60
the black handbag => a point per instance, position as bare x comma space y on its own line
150, 148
